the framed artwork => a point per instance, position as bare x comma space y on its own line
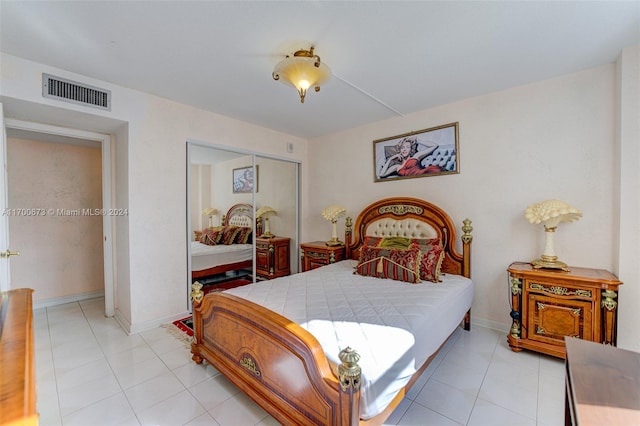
244, 181
428, 152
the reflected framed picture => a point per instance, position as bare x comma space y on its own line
428, 152
244, 180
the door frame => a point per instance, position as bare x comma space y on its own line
107, 220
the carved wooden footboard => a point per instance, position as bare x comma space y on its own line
274, 361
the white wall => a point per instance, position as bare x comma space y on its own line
628, 126
150, 173
550, 139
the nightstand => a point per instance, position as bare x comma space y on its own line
272, 257
548, 305
318, 253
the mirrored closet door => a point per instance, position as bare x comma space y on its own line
242, 215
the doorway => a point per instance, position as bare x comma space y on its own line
76, 250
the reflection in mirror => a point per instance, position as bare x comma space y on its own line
276, 254
223, 187
220, 258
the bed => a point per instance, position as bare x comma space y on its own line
312, 358
207, 260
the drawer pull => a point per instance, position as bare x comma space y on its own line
560, 291
315, 255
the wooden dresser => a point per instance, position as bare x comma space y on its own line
17, 363
318, 253
602, 385
273, 257
547, 305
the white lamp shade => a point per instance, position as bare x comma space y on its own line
333, 212
551, 212
209, 211
265, 211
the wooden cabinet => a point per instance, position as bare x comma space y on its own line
273, 257
17, 359
318, 253
547, 305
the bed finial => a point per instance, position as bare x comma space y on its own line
348, 222
349, 371
196, 292
348, 232
466, 229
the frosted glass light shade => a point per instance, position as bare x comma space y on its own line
302, 71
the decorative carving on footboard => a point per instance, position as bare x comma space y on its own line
275, 362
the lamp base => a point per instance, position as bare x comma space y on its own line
549, 262
267, 235
334, 242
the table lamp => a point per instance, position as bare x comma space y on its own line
333, 213
550, 213
210, 212
264, 212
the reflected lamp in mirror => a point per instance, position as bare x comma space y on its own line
550, 213
210, 212
263, 213
332, 214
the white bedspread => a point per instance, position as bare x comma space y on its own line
205, 257
394, 326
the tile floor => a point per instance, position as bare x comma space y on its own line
89, 372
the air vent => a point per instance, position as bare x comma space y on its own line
71, 91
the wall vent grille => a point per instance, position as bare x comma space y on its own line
71, 91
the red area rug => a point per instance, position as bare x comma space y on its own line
185, 325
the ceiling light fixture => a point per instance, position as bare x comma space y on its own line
302, 70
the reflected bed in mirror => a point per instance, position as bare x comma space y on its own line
221, 250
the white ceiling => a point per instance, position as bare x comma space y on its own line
389, 58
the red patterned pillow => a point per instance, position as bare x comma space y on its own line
372, 241
432, 256
395, 264
229, 234
211, 236
244, 235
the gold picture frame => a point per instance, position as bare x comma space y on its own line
429, 152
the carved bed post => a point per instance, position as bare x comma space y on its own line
196, 298
466, 266
349, 374
348, 234
466, 246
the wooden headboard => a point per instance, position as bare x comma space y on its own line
239, 214
412, 218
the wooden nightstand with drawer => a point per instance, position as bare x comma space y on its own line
318, 253
547, 305
272, 257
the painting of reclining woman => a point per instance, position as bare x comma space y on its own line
428, 152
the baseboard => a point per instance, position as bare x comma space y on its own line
46, 303
150, 325
503, 328
124, 323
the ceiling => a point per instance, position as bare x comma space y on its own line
388, 58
